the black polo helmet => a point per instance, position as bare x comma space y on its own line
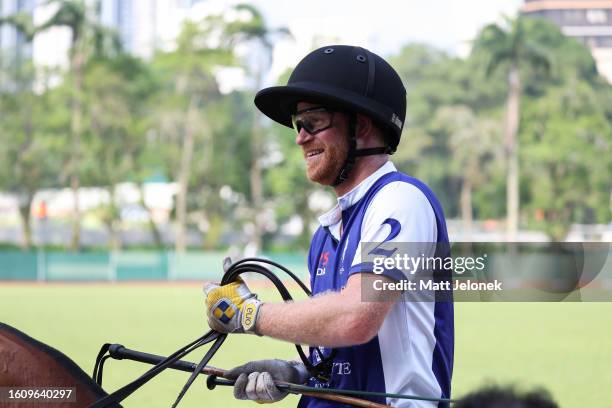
344, 77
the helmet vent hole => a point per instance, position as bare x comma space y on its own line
328, 50
361, 58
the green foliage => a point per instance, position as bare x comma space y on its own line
22, 22
521, 41
136, 118
89, 37
29, 157
568, 143
434, 82
565, 121
186, 79
31, 153
116, 119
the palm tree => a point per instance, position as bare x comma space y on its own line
253, 29
20, 81
189, 87
509, 47
474, 143
88, 36
22, 22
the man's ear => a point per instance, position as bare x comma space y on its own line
365, 126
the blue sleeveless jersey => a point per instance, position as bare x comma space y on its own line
413, 351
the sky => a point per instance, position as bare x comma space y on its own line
382, 26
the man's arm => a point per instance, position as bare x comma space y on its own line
333, 319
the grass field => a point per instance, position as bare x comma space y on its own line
565, 347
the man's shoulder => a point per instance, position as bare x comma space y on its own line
402, 180
398, 209
399, 200
318, 237
409, 201
396, 188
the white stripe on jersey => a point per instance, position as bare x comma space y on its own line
406, 337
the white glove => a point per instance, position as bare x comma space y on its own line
255, 380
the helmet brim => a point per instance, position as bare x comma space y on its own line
279, 102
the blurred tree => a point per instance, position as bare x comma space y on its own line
434, 80
23, 24
30, 154
568, 139
132, 119
421, 153
475, 146
114, 131
188, 88
202, 49
511, 47
88, 37
220, 189
27, 152
249, 29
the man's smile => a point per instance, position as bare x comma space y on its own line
311, 154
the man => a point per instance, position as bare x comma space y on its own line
348, 106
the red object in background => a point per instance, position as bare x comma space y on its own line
491, 225
40, 211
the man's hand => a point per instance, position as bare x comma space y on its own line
255, 380
231, 308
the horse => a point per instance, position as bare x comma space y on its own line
27, 362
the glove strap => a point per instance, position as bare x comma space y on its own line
250, 312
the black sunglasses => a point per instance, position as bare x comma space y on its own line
313, 120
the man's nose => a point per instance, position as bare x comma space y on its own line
303, 137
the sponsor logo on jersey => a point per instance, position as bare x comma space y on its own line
323, 260
341, 368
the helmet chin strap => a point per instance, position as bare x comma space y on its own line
353, 152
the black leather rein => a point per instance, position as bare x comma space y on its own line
321, 370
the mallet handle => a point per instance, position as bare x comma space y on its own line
119, 352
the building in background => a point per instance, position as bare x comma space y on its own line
140, 23
590, 21
143, 26
13, 44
